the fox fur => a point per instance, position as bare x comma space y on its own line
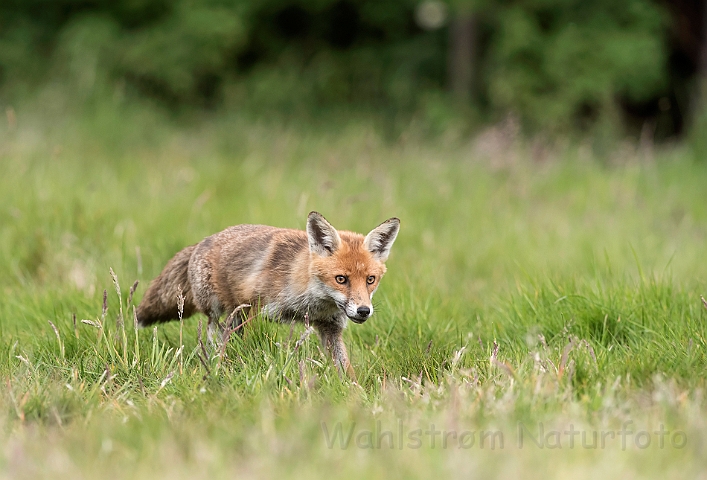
329, 276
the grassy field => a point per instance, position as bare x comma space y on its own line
541, 315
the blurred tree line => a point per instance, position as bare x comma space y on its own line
558, 65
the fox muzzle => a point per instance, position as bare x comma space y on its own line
360, 314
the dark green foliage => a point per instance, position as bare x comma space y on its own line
562, 64
559, 65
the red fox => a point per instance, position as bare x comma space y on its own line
327, 275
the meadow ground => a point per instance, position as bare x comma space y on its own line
541, 315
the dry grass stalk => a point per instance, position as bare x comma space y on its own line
203, 356
58, 337
180, 312
104, 310
132, 292
565, 356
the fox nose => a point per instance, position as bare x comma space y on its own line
363, 311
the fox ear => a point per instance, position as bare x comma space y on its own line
323, 237
380, 240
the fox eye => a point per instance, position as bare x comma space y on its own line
341, 279
371, 279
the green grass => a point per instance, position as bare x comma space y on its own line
519, 293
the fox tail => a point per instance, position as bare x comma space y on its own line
160, 302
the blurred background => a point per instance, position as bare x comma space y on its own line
605, 69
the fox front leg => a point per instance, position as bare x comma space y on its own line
334, 344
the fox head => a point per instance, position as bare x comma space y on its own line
347, 266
